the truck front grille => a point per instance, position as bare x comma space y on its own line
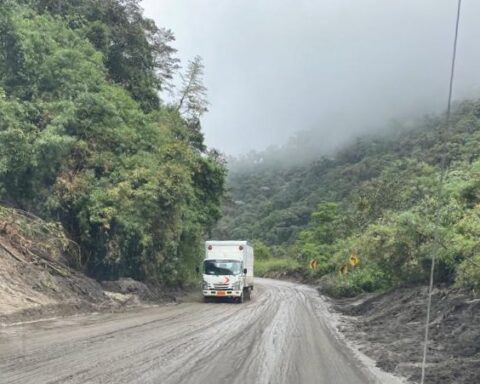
221, 286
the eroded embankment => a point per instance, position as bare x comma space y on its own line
390, 329
37, 279
31, 290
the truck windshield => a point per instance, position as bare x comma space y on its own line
223, 267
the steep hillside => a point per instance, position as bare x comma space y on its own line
375, 199
86, 140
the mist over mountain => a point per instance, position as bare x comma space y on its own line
307, 146
375, 198
337, 68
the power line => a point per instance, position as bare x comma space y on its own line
443, 171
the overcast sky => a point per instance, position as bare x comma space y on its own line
338, 67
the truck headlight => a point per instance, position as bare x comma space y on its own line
205, 285
236, 286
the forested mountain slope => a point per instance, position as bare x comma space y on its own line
86, 140
374, 198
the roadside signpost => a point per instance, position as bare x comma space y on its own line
353, 259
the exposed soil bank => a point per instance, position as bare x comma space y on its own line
390, 329
31, 290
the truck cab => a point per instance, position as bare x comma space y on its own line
228, 270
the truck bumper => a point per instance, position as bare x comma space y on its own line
218, 293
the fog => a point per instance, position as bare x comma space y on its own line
337, 68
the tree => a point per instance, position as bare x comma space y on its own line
137, 53
192, 101
133, 189
376, 197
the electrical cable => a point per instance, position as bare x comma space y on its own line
443, 171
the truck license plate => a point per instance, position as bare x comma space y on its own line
221, 293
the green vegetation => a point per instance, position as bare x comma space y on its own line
271, 259
86, 141
264, 267
376, 198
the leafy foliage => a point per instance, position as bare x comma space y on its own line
277, 265
136, 53
137, 191
375, 198
193, 102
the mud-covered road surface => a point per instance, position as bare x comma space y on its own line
285, 334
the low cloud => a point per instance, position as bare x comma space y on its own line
334, 68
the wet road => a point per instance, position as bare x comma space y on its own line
285, 334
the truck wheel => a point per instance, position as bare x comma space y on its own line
206, 299
249, 295
241, 298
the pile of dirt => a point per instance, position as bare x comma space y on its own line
40, 275
35, 274
30, 290
127, 286
390, 329
297, 275
37, 279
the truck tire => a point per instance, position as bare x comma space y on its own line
241, 299
247, 293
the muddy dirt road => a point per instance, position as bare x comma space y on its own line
284, 335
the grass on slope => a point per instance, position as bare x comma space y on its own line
267, 266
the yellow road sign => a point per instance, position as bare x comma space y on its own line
344, 269
353, 260
313, 264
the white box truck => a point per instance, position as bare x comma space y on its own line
228, 270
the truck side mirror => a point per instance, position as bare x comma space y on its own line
197, 270
245, 271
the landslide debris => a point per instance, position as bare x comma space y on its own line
36, 274
38, 278
390, 329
